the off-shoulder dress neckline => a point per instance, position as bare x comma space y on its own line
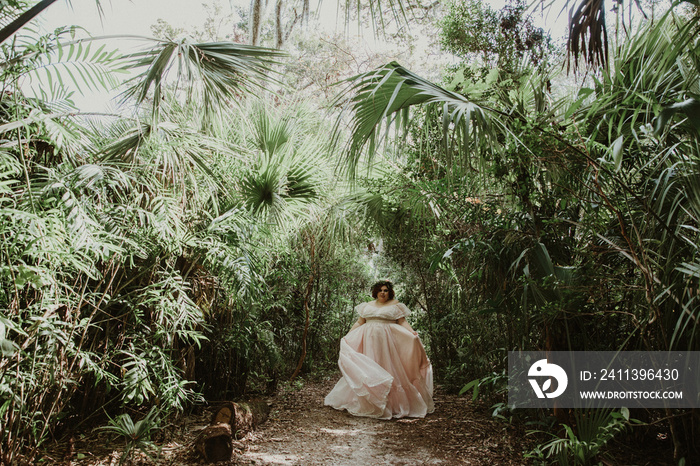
374, 304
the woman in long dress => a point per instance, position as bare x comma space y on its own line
386, 373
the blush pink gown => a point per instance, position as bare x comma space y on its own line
386, 372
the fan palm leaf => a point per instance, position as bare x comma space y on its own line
213, 73
269, 132
290, 169
282, 186
174, 150
386, 94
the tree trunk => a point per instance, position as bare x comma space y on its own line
255, 19
279, 35
305, 13
307, 297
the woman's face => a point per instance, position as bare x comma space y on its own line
383, 294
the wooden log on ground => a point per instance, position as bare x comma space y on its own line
229, 422
215, 443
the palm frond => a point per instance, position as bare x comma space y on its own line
56, 99
383, 11
588, 35
85, 66
213, 73
269, 132
386, 94
173, 150
280, 188
651, 71
291, 170
263, 190
125, 146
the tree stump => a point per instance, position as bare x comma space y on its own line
230, 421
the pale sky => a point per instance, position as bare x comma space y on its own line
124, 16
135, 17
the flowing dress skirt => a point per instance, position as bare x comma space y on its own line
386, 373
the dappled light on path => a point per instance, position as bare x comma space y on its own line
301, 431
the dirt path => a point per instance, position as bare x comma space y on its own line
301, 431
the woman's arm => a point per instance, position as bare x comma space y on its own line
404, 323
359, 322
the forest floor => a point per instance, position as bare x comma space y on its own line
301, 431
304, 432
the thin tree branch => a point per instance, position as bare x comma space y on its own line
23, 19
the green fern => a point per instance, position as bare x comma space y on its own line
136, 435
595, 428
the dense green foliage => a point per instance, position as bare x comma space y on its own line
139, 262
208, 245
490, 39
524, 222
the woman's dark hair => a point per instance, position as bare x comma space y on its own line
376, 288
